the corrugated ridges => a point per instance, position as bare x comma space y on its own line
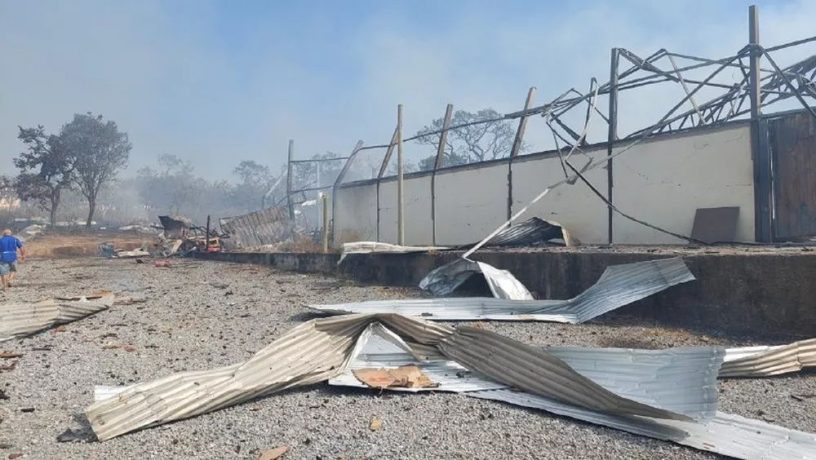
311, 352
18, 320
533, 370
267, 226
617, 286
771, 361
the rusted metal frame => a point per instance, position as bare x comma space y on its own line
686, 90
796, 93
667, 119
638, 62
440, 153
556, 133
789, 44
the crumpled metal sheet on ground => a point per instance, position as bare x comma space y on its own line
316, 351
443, 281
679, 379
368, 247
267, 226
619, 285
21, 319
766, 361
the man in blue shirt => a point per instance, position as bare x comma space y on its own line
8, 257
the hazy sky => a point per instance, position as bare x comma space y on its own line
217, 82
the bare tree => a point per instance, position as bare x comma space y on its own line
100, 151
46, 169
475, 142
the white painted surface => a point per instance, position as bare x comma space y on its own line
574, 206
355, 218
470, 203
663, 182
417, 193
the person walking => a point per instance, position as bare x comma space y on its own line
9, 245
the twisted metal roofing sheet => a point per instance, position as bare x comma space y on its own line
619, 285
767, 361
21, 319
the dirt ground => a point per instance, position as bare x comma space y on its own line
63, 245
201, 315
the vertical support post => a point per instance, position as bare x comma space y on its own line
440, 153
383, 167
514, 151
325, 203
207, 236
613, 132
289, 180
759, 146
400, 171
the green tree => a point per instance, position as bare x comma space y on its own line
255, 181
472, 143
47, 169
100, 150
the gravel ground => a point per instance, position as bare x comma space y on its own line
201, 315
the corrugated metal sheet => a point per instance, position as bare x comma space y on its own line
535, 371
660, 378
724, 434
309, 353
680, 381
444, 280
267, 226
316, 351
368, 247
767, 361
21, 319
619, 285
530, 232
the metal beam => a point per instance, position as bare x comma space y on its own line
612, 133
759, 146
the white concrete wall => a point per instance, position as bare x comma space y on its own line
574, 206
664, 181
418, 224
470, 203
355, 218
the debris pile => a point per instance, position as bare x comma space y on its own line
664, 394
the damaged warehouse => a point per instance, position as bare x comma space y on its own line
638, 293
